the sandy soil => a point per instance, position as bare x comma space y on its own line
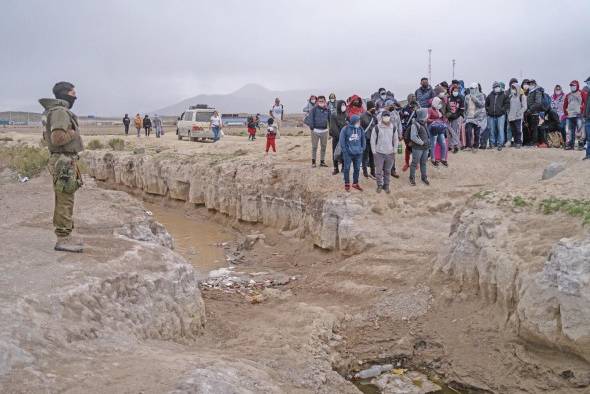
382, 305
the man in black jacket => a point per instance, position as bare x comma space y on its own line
368, 123
534, 107
497, 106
337, 121
126, 123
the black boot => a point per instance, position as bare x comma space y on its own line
365, 172
313, 164
323, 164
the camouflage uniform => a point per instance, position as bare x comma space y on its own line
63, 139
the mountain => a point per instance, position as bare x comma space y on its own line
250, 98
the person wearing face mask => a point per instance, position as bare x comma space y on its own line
454, 114
573, 108
277, 112
475, 116
424, 94
352, 142
332, 103
354, 106
497, 106
383, 99
319, 118
408, 113
586, 92
62, 135
515, 114
337, 122
384, 142
437, 126
368, 122
419, 142
535, 105
557, 101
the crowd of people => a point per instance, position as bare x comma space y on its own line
367, 134
146, 123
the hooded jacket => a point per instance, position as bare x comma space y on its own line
147, 122
126, 120
424, 95
352, 110
557, 104
385, 137
418, 132
58, 117
381, 103
338, 120
138, 122
517, 105
574, 103
352, 140
475, 111
497, 104
319, 118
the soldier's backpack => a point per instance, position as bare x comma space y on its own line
554, 139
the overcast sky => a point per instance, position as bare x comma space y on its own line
139, 55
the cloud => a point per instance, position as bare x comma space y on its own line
133, 56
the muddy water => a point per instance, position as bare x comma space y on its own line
195, 237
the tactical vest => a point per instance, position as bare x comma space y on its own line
75, 145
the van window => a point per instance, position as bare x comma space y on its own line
188, 115
204, 116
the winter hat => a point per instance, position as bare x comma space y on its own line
512, 80
382, 90
370, 105
496, 84
422, 114
575, 83
354, 119
332, 96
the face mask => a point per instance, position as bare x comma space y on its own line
343, 108
322, 104
513, 91
455, 93
332, 100
441, 95
357, 124
357, 104
497, 90
558, 91
383, 96
573, 88
386, 119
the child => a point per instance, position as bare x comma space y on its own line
352, 142
271, 134
251, 128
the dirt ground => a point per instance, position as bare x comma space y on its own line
382, 305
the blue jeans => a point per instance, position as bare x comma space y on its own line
215, 133
437, 135
356, 161
587, 136
496, 127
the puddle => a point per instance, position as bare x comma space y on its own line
195, 237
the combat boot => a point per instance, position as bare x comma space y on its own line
68, 244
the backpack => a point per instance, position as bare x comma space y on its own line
554, 139
545, 102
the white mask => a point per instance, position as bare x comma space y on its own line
441, 95
357, 124
573, 89
497, 90
343, 108
312, 101
386, 119
383, 96
455, 93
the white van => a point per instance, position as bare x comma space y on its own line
194, 123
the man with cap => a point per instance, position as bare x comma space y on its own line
62, 136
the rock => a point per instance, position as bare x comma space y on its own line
407, 383
552, 169
554, 307
249, 241
147, 230
138, 151
373, 371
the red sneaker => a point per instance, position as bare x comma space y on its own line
357, 187
347, 187
405, 167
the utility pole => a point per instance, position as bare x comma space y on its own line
454, 68
430, 65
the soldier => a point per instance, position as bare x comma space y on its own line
64, 142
